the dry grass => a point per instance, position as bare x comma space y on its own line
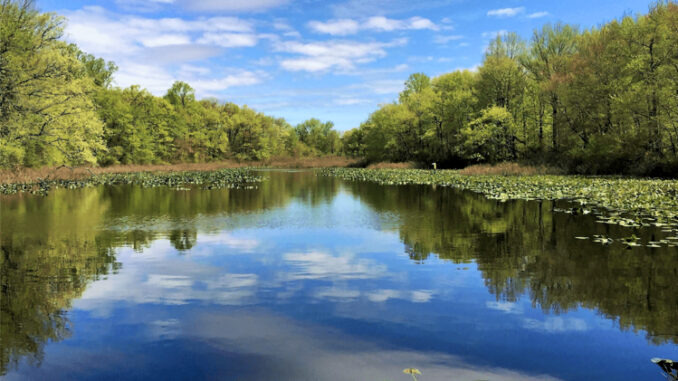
386, 165
307, 162
509, 169
28, 175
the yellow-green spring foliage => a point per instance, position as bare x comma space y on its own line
57, 106
592, 101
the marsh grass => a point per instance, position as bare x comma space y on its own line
31, 175
509, 169
388, 165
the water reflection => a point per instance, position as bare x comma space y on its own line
524, 248
363, 279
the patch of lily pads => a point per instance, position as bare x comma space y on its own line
224, 178
627, 202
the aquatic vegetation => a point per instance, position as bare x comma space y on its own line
620, 201
412, 372
668, 367
224, 178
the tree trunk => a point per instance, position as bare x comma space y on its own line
554, 121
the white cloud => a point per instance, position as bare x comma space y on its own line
231, 5
147, 50
190, 70
383, 24
420, 23
211, 86
229, 40
325, 55
169, 54
335, 27
165, 40
100, 32
286, 29
447, 39
343, 27
506, 12
142, 5
351, 101
537, 15
201, 5
156, 79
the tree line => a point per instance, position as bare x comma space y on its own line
602, 100
58, 107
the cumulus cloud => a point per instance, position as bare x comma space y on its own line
146, 49
343, 27
113, 36
324, 55
142, 5
231, 5
335, 27
537, 15
506, 12
202, 5
229, 40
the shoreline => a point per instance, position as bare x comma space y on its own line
34, 175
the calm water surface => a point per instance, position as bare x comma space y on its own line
312, 278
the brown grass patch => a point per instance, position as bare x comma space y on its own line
509, 169
387, 165
305, 162
28, 175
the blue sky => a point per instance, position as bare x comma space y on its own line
334, 60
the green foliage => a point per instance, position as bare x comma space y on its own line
319, 136
491, 137
46, 113
137, 128
596, 101
98, 69
58, 106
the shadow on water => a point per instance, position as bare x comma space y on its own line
52, 248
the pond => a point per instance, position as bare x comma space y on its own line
314, 278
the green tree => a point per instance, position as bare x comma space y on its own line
547, 63
319, 136
46, 113
492, 136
